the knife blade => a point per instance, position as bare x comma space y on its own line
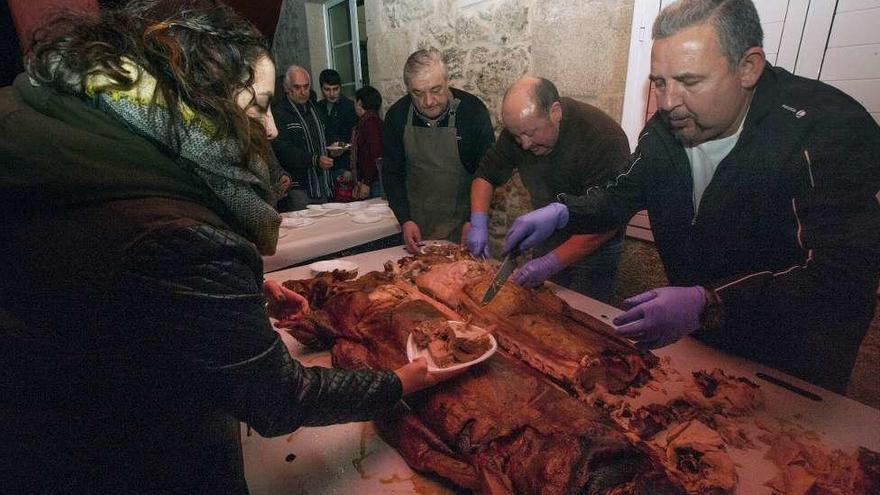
501, 276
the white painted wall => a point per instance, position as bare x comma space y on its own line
837, 42
852, 59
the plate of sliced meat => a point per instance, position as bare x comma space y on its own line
450, 345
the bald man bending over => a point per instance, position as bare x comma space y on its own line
559, 145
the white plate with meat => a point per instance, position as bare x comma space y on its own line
330, 266
450, 345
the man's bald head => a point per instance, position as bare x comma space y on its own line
297, 84
531, 112
530, 95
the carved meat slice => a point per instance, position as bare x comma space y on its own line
500, 427
444, 281
697, 454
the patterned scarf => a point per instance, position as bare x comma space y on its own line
246, 192
318, 178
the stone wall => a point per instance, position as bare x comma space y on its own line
291, 42
581, 45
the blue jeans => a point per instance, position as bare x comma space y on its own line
594, 275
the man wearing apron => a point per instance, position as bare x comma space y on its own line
433, 139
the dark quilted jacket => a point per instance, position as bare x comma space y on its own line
134, 330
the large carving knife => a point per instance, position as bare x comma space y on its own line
504, 271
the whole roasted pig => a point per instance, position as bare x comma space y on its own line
501, 427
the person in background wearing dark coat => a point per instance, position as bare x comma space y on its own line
367, 139
433, 139
339, 119
762, 189
301, 145
134, 314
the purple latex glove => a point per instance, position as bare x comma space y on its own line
478, 236
661, 316
535, 272
535, 226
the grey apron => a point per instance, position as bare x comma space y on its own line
437, 184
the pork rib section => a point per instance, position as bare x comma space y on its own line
538, 327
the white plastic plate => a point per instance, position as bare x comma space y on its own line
311, 213
334, 206
334, 213
296, 222
460, 328
365, 218
330, 265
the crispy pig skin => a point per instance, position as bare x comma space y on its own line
536, 326
499, 427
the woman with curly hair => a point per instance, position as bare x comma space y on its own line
137, 198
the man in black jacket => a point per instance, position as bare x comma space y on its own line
339, 117
301, 145
762, 189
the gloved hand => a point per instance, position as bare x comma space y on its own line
535, 226
478, 236
535, 272
661, 316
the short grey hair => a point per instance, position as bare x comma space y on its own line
736, 22
420, 60
294, 68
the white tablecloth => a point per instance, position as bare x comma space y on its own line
327, 235
345, 459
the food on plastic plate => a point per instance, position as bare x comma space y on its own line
461, 329
331, 265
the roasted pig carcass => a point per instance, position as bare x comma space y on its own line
500, 427
536, 326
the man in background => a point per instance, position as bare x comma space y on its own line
433, 139
339, 118
301, 145
559, 145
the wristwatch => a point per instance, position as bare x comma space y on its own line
712, 317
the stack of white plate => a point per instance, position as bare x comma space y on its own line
379, 209
365, 217
295, 222
311, 213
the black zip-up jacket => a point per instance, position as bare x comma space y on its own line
788, 230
